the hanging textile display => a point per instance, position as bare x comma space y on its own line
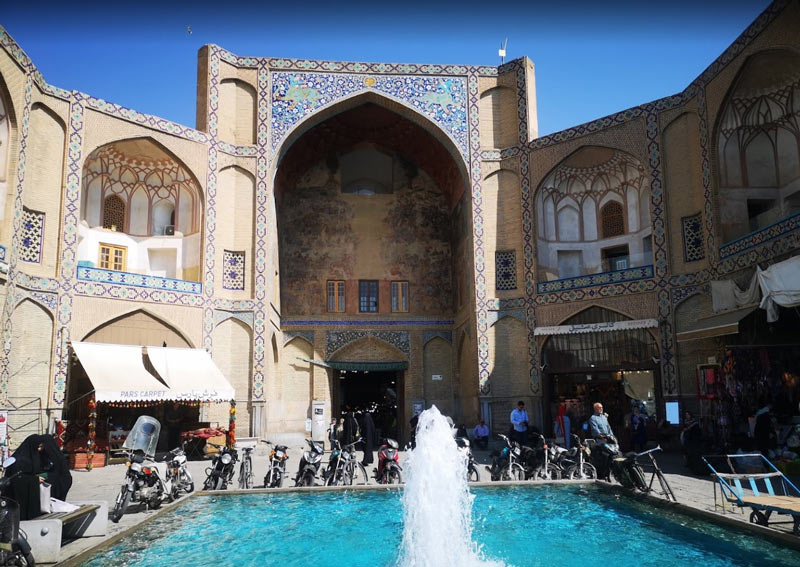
232, 425
90, 443
780, 285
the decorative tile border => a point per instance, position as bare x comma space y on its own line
47, 300
36, 283
233, 304
335, 340
2, 253
499, 304
754, 239
99, 275
365, 323
590, 280
428, 336
761, 253
134, 293
608, 290
307, 335
298, 95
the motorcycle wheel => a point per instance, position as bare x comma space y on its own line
587, 471
208, 484
394, 477
637, 476
623, 477
473, 475
277, 479
155, 503
552, 472
515, 472
187, 482
121, 504
219, 484
308, 480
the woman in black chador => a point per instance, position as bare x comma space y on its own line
40, 460
368, 434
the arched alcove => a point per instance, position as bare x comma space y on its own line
498, 114
138, 328
758, 144
140, 202
237, 112
593, 215
233, 354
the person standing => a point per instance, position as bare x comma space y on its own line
519, 421
480, 435
599, 427
368, 435
638, 430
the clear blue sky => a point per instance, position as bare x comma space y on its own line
592, 58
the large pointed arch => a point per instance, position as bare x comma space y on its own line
153, 331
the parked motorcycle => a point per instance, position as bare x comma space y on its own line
223, 465
506, 462
14, 548
309, 464
389, 470
609, 461
537, 461
472, 468
178, 473
277, 465
574, 462
146, 481
343, 466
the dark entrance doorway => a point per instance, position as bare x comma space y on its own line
379, 392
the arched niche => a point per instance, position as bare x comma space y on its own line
237, 112
140, 198
138, 328
593, 215
235, 228
295, 388
757, 145
232, 351
498, 118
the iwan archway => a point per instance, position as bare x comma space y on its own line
374, 224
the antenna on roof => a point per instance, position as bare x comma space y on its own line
502, 51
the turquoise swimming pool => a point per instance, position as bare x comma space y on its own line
543, 526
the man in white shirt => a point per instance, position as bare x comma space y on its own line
519, 419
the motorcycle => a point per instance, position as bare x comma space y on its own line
277, 465
609, 461
14, 548
389, 470
573, 461
537, 460
309, 464
506, 462
472, 468
342, 465
146, 480
223, 465
178, 473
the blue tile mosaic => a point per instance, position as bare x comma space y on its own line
603, 278
137, 280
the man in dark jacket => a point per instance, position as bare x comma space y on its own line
368, 435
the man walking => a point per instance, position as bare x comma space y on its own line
519, 420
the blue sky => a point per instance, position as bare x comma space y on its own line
592, 58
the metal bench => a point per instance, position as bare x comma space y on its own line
48, 532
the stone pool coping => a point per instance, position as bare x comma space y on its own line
786, 539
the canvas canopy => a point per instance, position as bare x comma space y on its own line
609, 326
118, 373
191, 374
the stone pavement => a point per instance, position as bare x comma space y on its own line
104, 483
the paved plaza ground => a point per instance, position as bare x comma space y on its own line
103, 483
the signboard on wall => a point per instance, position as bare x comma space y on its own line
436, 377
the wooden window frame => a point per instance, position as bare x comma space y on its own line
377, 297
112, 248
398, 285
338, 285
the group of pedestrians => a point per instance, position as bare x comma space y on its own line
350, 428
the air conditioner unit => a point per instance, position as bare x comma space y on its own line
169, 230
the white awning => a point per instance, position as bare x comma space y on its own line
118, 374
596, 327
191, 374
714, 326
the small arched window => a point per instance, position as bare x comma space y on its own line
612, 219
114, 213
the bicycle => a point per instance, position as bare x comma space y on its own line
246, 476
344, 467
666, 489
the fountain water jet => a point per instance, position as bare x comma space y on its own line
437, 504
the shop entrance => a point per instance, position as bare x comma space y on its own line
379, 392
601, 356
